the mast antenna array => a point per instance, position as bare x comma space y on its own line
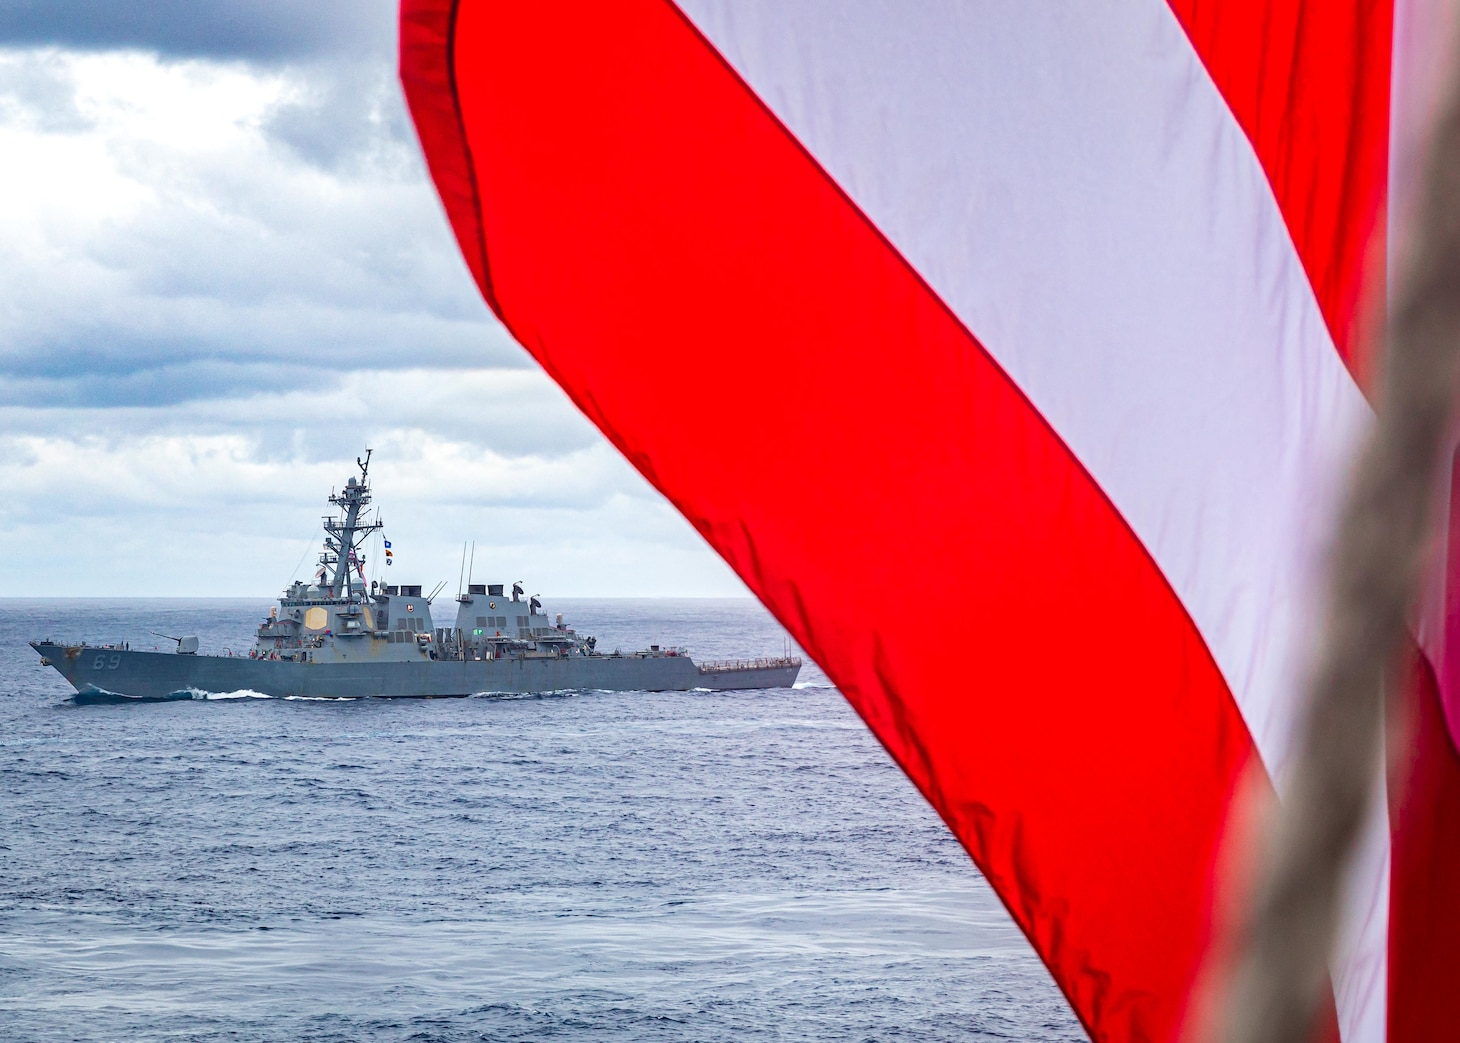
345, 533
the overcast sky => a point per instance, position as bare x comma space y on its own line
223, 274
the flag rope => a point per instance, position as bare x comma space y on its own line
1374, 582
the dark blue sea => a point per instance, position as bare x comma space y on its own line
599, 866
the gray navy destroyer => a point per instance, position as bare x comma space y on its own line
336, 638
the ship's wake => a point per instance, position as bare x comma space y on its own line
249, 693
557, 693
101, 696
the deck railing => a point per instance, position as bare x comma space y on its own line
726, 665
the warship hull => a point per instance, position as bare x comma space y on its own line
331, 638
99, 673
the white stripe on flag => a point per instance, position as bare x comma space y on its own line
1069, 180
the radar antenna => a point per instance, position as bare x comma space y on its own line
345, 533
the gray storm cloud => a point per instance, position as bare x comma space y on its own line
253, 30
224, 274
307, 236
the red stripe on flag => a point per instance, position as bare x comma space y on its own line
425, 69
1424, 815
1309, 85
1424, 818
733, 323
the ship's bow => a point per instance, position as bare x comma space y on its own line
61, 658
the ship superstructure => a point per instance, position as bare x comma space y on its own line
335, 618
337, 637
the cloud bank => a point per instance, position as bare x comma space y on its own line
256, 30
225, 274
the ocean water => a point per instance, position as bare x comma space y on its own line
604, 866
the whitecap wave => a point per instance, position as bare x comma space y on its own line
555, 693
242, 693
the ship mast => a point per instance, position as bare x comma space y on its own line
344, 534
